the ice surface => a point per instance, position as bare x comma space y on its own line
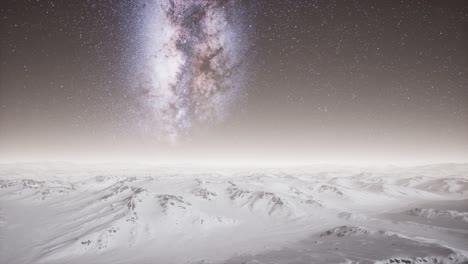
65, 213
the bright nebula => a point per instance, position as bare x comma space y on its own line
192, 62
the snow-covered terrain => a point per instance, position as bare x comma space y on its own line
51, 213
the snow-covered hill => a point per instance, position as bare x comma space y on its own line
142, 214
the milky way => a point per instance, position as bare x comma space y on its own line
324, 80
193, 62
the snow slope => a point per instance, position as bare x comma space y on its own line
66, 213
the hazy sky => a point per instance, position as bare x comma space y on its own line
293, 80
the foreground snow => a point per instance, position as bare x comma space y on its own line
140, 214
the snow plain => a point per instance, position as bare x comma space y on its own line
66, 213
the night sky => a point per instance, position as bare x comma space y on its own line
224, 80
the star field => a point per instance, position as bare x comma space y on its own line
319, 79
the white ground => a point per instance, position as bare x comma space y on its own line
138, 214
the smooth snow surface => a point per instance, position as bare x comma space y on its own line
139, 214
